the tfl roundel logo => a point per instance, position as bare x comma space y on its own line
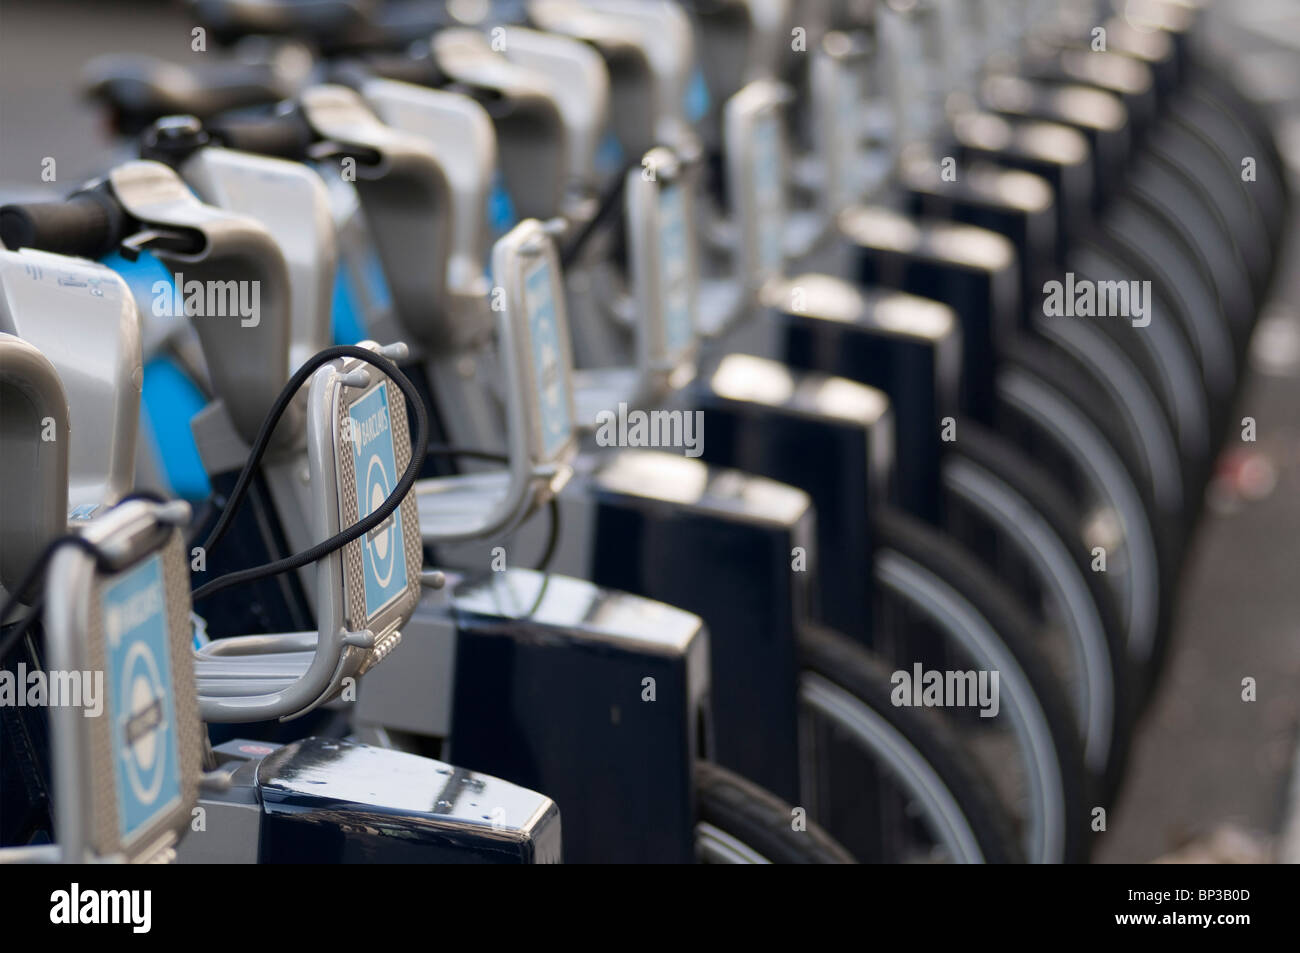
383, 556
146, 769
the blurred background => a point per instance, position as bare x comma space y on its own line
1212, 777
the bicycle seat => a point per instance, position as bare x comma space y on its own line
141, 89
532, 338
358, 445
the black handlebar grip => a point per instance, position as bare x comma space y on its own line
89, 225
141, 89
286, 135
419, 70
232, 20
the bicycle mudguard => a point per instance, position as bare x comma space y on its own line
739, 551
828, 436
1207, 143
1056, 153
1160, 348
1044, 148
1098, 114
969, 269
1198, 311
897, 343
1017, 205
594, 676
910, 348
1155, 186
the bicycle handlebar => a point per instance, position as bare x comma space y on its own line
333, 26
232, 19
286, 135
140, 89
88, 224
420, 70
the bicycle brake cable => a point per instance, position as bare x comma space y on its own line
357, 529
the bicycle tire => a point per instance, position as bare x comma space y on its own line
917, 748
739, 822
1032, 503
919, 564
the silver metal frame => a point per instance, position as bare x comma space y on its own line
290, 200
408, 203
658, 369
580, 85
293, 203
33, 471
762, 100
665, 34
249, 363
460, 132
83, 318
285, 675
532, 165
481, 505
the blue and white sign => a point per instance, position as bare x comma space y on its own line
383, 555
674, 280
769, 193
138, 660
548, 358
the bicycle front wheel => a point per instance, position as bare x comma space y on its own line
891, 783
737, 822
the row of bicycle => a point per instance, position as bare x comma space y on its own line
848, 374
